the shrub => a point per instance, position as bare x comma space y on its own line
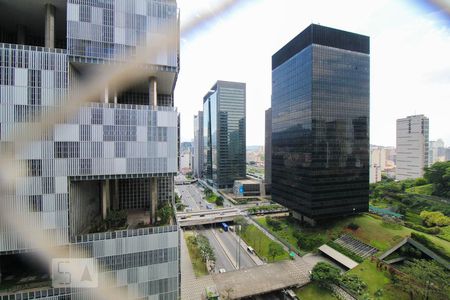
325, 274
432, 230
353, 283
434, 218
116, 219
420, 181
219, 201
274, 223
308, 242
353, 226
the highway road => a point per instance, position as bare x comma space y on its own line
222, 260
229, 240
223, 243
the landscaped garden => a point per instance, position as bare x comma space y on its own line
265, 248
200, 252
372, 230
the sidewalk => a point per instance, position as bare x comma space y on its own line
192, 288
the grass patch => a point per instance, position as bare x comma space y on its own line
314, 291
212, 199
260, 242
377, 279
413, 218
194, 253
426, 189
445, 233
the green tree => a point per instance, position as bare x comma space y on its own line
165, 213
275, 250
219, 201
434, 218
420, 181
424, 279
439, 175
240, 220
325, 274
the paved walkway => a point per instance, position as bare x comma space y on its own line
262, 279
192, 287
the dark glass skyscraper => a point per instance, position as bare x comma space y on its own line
224, 133
320, 124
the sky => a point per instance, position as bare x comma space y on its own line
409, 59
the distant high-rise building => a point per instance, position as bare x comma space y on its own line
117, 153
377, 163
198, 145
268, 148
436, 152
224, 134
412, 147
320, 124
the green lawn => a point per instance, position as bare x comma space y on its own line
426, 189
413, 218
196, 260
260, 242
313, 291
445, 233
377, 279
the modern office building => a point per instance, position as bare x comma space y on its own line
436, 152
412, 147
377, 163
224, 134
320, 124
268, 148
198, 145
118, 153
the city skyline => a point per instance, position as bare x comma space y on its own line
400, 33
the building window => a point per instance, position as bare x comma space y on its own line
34, 167
35, 203
85, 13
67, 150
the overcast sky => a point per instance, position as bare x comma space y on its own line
410, 58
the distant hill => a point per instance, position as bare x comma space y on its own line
253, 148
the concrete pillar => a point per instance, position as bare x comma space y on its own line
153, 86
105, 198
21, 34
49, 26
153, 199
106, 98
115, 97
116, 195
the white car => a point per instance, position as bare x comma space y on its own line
222, 270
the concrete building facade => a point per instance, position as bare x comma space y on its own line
118, 153
412, 147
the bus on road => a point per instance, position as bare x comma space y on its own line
224, 226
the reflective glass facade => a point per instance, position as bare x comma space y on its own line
224, 134
320, 124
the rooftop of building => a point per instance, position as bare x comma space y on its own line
321, 35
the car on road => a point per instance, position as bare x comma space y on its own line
222, 270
